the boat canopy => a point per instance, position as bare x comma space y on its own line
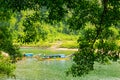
56, 56
28, 54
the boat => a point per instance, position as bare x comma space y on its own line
28, 55
54, 57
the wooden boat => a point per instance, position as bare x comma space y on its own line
28, 55
54, 57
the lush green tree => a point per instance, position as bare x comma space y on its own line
6, 42
101, 14
32, 29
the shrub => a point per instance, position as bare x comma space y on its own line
6, 67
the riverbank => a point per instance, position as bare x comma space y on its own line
51, 48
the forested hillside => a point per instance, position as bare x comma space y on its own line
29, 29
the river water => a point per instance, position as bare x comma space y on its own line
32, 69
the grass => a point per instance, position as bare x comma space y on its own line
38, 44
45, 51
69, 44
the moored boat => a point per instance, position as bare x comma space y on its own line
54, 57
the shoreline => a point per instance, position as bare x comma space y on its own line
71, 49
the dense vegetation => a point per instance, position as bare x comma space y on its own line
27, 29
97, 21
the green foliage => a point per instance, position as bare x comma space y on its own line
101, 14
29, 26
6, 67
33, 31
69, 44
6, 42
84, 60
107, 45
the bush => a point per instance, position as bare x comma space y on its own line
6, 67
